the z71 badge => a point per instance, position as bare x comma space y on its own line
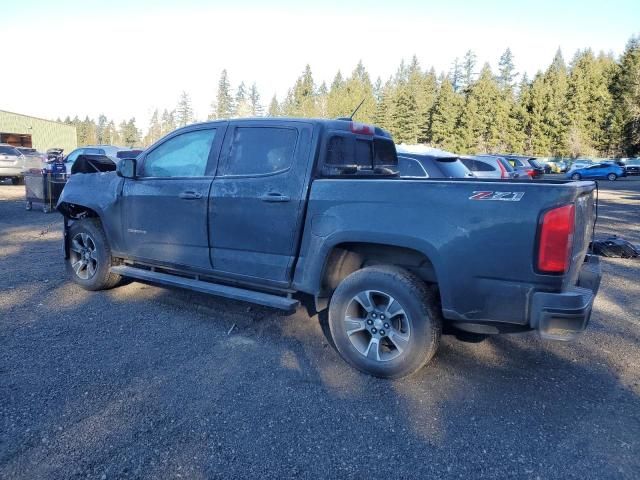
501, 196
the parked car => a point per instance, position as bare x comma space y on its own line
610, 171
12, 164
526, 166
108, 150
632, 166
262, 209
561, 166
431, 164
489, 166
580, 164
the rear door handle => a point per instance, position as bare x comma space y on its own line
274, 197
190, 195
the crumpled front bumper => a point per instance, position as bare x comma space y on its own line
562, 316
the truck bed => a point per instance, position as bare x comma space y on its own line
479, 235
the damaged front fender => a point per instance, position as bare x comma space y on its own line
93, 195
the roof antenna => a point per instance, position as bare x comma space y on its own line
357, 108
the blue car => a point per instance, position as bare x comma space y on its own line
610, 171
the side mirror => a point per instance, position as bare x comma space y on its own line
126, 168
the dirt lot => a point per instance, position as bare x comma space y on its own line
143, 382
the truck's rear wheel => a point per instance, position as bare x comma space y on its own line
385, 321
89, 263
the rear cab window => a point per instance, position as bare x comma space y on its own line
347, 153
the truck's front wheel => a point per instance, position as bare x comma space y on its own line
89, 262
385, 321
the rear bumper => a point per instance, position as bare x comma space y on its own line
562, 316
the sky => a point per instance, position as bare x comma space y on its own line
124, 58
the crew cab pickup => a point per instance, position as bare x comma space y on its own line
274, 211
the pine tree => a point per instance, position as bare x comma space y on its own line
111, 136
589, 103
223, 106
357, 88
555, 117
336, 105
538, 141
625, 121
301, 100
184, 111
455, 74
323, 100
155, 129
506, 70
405, 119
385, 107
254, 101
274, 108
444, 116
468, 67
168, 122
129, 133
100, 129
242, 106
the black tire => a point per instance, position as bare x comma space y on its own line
576, 176
420, 316
28, 206
612, 177
97, 274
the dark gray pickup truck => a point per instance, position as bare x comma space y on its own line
267, 210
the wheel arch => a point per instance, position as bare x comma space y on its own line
346, 257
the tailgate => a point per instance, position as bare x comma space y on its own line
583, 232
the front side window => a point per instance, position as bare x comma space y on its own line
185, 155
260, 150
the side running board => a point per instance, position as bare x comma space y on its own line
267, 299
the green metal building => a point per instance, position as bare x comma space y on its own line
23, 130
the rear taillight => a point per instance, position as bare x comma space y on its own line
556, 239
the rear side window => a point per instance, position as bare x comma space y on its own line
185, 155
260, 150
477, 165
409, 167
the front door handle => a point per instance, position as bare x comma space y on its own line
274, 197
190, 195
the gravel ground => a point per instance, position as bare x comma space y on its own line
143, 382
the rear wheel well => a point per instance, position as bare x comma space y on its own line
346, 258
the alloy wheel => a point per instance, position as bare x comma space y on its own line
84, 256
377, 325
